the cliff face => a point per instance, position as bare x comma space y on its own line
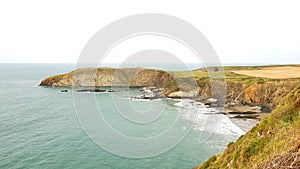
268, 94
274, 143
110, 77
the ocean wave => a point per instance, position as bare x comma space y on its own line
207, 118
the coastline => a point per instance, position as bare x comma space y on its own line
249, 99
244, 124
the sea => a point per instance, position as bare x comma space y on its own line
40, 127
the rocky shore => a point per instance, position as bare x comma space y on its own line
247, 97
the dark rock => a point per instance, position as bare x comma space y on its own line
237, 112
91, 90
205, 102
266, 109
110, 90
245, 116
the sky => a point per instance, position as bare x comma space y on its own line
56, 31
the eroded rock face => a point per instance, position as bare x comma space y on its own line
84, 77
269, 94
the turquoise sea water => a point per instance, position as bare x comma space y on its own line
39, 127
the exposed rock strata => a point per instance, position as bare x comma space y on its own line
267, 94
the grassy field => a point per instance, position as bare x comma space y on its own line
284, 72
247, 74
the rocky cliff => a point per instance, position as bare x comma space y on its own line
267, 94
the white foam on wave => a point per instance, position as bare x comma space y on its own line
225, 125
187, 103
207, 118
140, 99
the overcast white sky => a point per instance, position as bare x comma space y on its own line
35, 31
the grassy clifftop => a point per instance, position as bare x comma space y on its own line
274, 143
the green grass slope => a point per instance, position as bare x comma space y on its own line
274, 143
